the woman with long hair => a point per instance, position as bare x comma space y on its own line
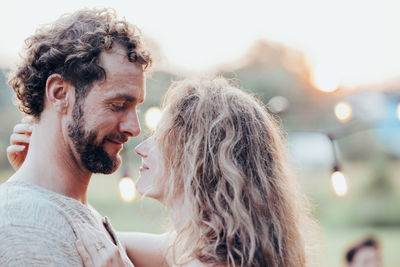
218, 163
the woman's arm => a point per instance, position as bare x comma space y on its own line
145, 250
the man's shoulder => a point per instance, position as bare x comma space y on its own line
36, 231
23, 205
21, 198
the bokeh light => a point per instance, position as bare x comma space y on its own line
326, 78
152, 117
278, 104
339, 183
343, 111
127, 190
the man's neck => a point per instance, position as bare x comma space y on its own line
51, 164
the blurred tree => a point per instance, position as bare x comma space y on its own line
379, 198
9, 115
5, 91
270, 70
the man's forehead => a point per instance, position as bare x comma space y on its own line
124, 79
109, 90
116, 60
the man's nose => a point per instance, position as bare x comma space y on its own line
130, 125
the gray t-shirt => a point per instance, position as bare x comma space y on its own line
36, 226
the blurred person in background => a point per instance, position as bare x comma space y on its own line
217, 162
364, 254
81, 80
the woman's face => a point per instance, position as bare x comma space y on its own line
152, 173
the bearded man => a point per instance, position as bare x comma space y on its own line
81, 80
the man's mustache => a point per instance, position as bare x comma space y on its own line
117, 137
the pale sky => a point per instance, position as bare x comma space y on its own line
356, 41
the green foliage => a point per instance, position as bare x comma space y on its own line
9, 115
157, 85
379, 198
5, 91
373, 197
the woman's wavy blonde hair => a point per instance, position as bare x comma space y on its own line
224, 154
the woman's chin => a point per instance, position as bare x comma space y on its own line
147, 191
140, 189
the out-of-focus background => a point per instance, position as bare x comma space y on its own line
328, 70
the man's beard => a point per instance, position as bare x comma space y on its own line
92, 154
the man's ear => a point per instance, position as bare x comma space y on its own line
59, 93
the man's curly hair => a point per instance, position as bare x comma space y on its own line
71, 46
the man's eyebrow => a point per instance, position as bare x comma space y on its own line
125, 97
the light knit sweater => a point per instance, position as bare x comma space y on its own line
36, 226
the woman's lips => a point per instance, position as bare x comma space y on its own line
143, 168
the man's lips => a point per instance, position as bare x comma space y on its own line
115, 142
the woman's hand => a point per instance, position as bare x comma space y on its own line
97, 250
19, 143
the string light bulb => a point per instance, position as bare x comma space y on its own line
339, 183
